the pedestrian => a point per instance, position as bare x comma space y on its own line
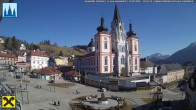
76, 91
58, 103
40, 87
54, 103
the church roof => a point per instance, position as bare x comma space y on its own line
116, 14
102, 28
130, 33
91, 43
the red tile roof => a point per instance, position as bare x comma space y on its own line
38, 53
47, 70
8, 55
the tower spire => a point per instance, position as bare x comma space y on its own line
102, 27
130, 33
116, 14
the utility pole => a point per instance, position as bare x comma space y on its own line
21, 92
27, 94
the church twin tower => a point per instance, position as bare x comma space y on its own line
116, 52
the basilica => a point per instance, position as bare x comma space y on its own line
112, 53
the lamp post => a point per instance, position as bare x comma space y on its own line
118, 103
27, 94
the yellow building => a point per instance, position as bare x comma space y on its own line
175, 75
61, 61
171, 72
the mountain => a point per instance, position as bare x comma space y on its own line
184, 55
157, 57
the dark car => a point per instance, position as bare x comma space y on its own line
183, 87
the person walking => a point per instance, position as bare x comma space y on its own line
54, 103
58, 103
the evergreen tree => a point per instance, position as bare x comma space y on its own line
14, 46
60, 53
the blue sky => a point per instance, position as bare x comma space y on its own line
161, 27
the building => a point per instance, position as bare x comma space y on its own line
7, 59
191, 92
22, 58
147, 66
22, 67
47, 73
170, 72
2, 41
38, 59
61, 61
112, 53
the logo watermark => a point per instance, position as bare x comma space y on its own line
9, 10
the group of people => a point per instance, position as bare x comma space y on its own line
39, 87
57, 104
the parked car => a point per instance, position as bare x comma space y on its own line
103, 89
183, 87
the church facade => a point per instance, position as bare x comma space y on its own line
114, 53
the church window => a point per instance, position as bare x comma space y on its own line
135, 47
135, 61
106, 68
122, 60
135, 67
106, 61
105, 45
122, 48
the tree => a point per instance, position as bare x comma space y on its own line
60, 53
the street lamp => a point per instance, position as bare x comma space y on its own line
100, 83
118, 102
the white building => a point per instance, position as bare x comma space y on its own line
38, 59
147, 67
115, 52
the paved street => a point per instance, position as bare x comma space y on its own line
43, 98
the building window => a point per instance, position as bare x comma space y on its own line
135, 67
33, 62
106, 68
122, 60
122, 48
106, 61
135, 61
105, 45
135, 47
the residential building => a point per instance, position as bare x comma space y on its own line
22, 57
47, 73
61, 61
114, 53
7, 59
191, 92
147, 66
38, 59
22, 67
170, 72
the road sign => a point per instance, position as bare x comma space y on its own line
8, 102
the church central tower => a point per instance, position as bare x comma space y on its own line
118, 43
